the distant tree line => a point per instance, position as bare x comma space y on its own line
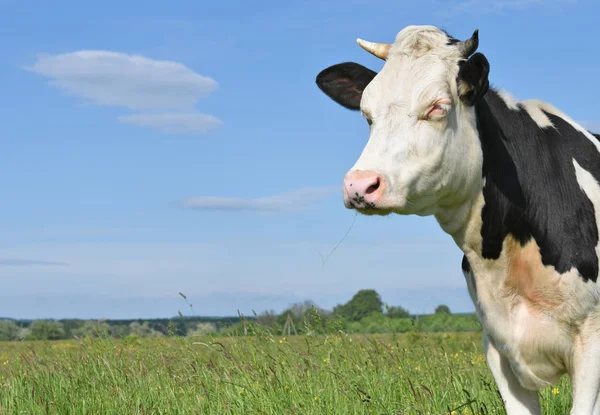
363, 313
73, 328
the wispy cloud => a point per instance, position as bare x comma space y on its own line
174, 123
135, 82
296, 200
8, 262
495, 6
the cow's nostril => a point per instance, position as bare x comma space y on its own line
363, 188
373, 188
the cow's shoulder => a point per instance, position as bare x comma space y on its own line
541, 173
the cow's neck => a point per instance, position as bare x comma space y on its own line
463, 223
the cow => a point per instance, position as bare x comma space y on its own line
514, 183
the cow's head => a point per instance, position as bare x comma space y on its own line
423, 151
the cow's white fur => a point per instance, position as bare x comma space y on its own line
538, 323
590, 187
508, 99
535, 111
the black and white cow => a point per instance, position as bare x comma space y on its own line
515, 183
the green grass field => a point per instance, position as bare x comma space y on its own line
263, 374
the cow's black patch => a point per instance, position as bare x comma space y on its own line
466, 267
531, 190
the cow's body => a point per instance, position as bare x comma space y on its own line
523, 204
532, 248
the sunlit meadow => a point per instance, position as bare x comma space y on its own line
260, 374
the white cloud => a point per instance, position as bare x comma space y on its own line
135, 82
297, 200
174, 123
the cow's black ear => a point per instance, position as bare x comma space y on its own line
472, 79
345, 82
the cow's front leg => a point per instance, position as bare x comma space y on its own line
517, 399
586, 376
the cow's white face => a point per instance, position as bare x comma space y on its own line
423, 151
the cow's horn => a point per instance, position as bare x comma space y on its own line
469, 46
380, 50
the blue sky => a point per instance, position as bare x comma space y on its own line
151, 148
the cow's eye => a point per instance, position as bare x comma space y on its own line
438, 110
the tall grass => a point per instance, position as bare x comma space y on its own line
259, 374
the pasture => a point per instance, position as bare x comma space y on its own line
261, 374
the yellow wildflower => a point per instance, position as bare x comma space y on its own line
555, 391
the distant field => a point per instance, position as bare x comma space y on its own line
264, 374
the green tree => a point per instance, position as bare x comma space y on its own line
267, 319
120, 331
8, 330
302, 313
47, 330
397, 312
442, 308
143, 330
315, 320
363, 304
93, 328
201, 329
297, 311
24, 333
70, 326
